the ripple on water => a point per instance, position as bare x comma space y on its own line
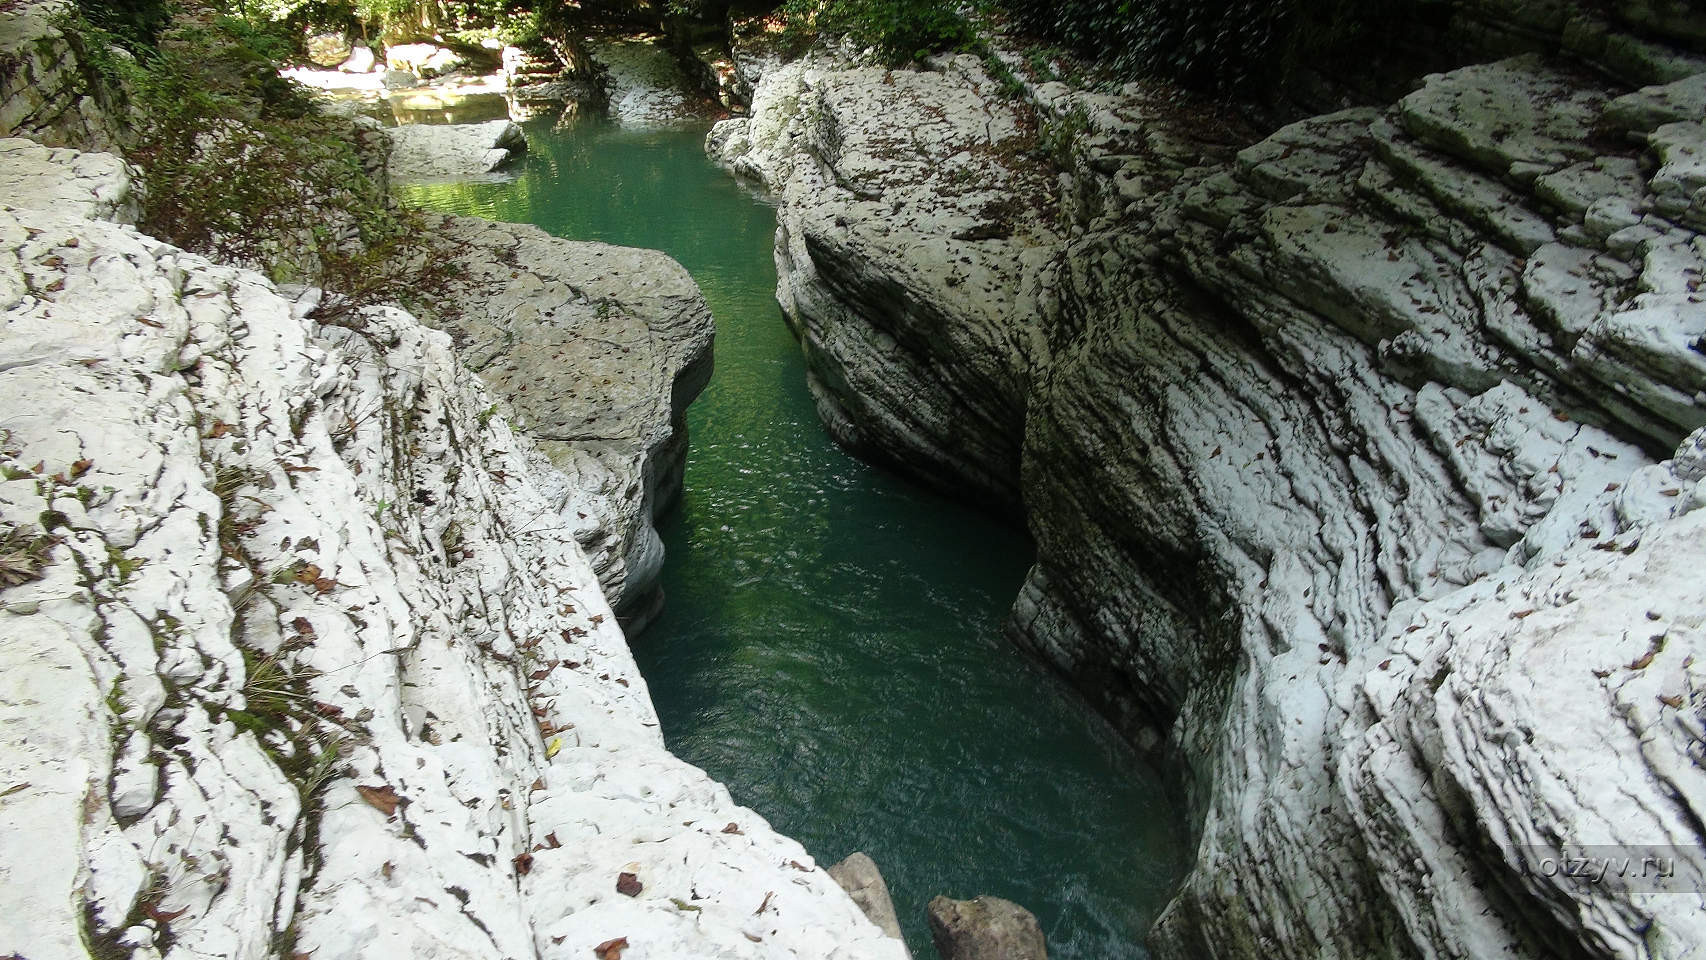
831, 647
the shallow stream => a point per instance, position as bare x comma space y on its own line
831, 647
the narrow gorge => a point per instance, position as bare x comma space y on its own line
1259, 525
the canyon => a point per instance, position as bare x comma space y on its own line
1362, 459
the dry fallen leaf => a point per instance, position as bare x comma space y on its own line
81, 467
611, 949
382, 797
628, 885
523, 863
308, 574
1671, 701
731, 828
162, 916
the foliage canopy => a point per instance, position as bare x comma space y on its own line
238, 164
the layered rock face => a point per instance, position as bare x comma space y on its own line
296, 659
904, 249
1338, 454
48, 89
597, 350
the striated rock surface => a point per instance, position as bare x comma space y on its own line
910, 240
597, 351
434, 151
1339, 457
290, 666
984, 928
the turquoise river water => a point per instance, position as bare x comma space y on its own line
831, 646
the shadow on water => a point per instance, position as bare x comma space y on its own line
831, 646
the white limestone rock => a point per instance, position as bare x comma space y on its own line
424, 60
360, 60
305, 670
431, 151
908, 214
1679, 185
1298, 432
597, 351
1508, 117
857, 873
1649, 108
94, 185
644, 84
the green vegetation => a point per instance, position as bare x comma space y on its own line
240, 166
1223, 46
899, 30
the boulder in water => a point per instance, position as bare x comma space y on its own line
448, 151
328, 49
360, 60
985, 928
859, 876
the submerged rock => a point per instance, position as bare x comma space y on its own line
984, 928
433, 151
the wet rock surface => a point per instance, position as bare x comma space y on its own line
1332, 446
984, 928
